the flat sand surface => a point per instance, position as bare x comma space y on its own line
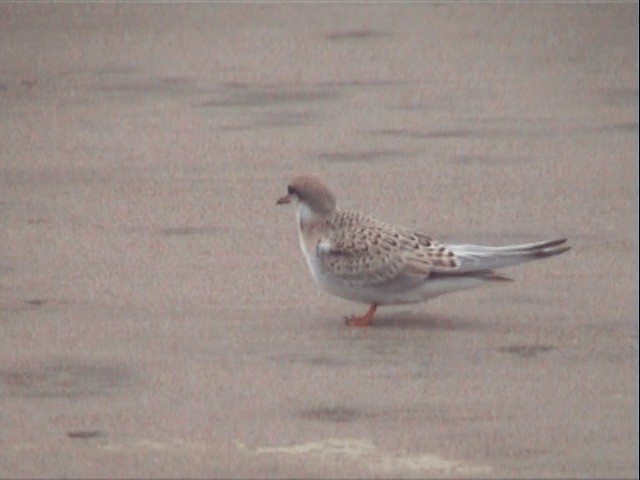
156, 315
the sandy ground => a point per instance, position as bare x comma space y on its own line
156, 315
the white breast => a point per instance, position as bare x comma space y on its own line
307, 245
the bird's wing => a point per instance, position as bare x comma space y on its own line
377, 255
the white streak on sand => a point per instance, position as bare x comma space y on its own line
365, 451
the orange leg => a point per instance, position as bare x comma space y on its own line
364, 320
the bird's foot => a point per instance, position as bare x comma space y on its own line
363, 320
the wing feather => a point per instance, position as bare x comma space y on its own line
380, 255
480, 257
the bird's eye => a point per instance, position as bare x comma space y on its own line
291, 190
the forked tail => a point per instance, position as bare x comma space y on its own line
478, 259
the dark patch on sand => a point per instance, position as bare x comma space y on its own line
276, 120
151, 85
363, 83
405, 322
116, 70
625, 127
187, 230
28, 84
435, 134
473, 159
363, 34
368, 156
63, 380
35, 302
331, 414
619, 96
315, 360
85, 434
526, 351
260, 97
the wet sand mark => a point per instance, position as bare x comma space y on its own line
85, 434
276, 120
364, 34
35, 302
473, 159
117, 70
368, 156
619, 96
319, 360
164, 85
364, 83
436, 134
625, 127
28, 84
526, 351
68, 380
331, 414
415, 321
178, 231
257, 97
530, 131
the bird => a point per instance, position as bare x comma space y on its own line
357, 257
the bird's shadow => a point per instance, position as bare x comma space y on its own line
405, 320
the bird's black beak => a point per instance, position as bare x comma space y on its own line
283, 200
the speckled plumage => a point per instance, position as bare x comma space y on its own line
357, 257
364, 251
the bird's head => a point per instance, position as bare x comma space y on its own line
314, 199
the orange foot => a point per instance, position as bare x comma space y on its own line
364, 320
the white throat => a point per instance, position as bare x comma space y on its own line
305, 214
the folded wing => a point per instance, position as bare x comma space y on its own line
377, 255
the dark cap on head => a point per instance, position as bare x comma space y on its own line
310, 190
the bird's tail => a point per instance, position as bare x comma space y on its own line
478, 259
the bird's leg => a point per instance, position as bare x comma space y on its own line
364, 320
